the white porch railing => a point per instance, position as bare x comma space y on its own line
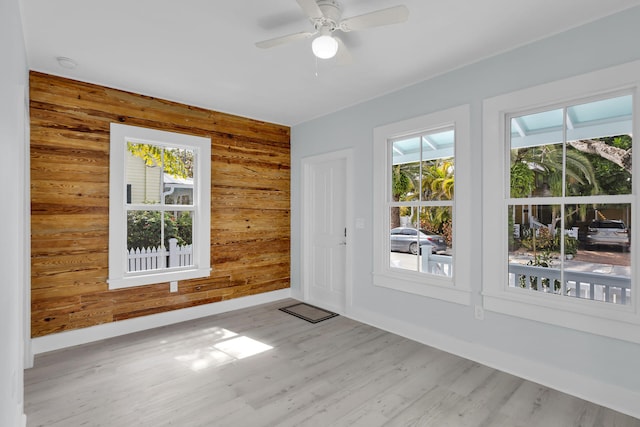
578, 284
440, 265
156, 258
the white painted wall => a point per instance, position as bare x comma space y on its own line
13, 217
593, 367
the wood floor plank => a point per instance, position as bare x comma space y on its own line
262, 367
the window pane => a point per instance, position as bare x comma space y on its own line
536, 154
600, 269
534, 248
145, 230
437, 165
593, 257
426, 249
403, 239
404, 179
436, 235
599, 147
142, 178
144, 233
180, 243
178, 180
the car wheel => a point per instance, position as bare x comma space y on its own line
413, 248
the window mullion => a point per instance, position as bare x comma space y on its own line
562, 203
419, 214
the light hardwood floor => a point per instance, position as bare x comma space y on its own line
335, 373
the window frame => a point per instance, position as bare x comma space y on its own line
610, 320
119, 277
457, 288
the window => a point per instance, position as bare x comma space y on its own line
570, 190
421, 206
421, 213
159, 206
561, 246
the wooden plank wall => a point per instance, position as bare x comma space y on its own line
250, 198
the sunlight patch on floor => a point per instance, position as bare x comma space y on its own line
227, 347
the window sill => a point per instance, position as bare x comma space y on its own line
584, 315
158, 277
427, 286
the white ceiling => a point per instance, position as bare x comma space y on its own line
202, 53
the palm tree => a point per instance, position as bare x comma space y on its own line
546, 162
438, 184
546, 177
438, 180
402, 187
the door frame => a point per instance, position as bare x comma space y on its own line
308, 164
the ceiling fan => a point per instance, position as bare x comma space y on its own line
326, 17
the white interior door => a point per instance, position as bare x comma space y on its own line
326, 233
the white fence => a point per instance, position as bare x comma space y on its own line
578, 284
156, 258
436, 264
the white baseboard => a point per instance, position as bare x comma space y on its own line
123, 327
20, 417
28, 354
296, 293
611, 396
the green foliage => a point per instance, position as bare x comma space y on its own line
581, 174
437, 183
547, 162
543, 259
543, 241
184, 223
510, 230
401, 182
570, 244
611, 178
438, 179
586, 173
622, 141
175, 162
144, 229
522, 179
405, 211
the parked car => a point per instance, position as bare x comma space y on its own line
608, 232
405, 239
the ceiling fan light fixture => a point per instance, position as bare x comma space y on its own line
324, 47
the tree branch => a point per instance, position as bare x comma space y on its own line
616, 155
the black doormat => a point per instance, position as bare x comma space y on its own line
308, 312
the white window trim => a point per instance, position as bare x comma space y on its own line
118, 275
458, 288
621, 322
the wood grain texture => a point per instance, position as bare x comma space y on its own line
334, 373
250, 180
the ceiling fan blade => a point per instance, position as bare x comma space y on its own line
310, 8
392, 15
265, 44
343, 57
